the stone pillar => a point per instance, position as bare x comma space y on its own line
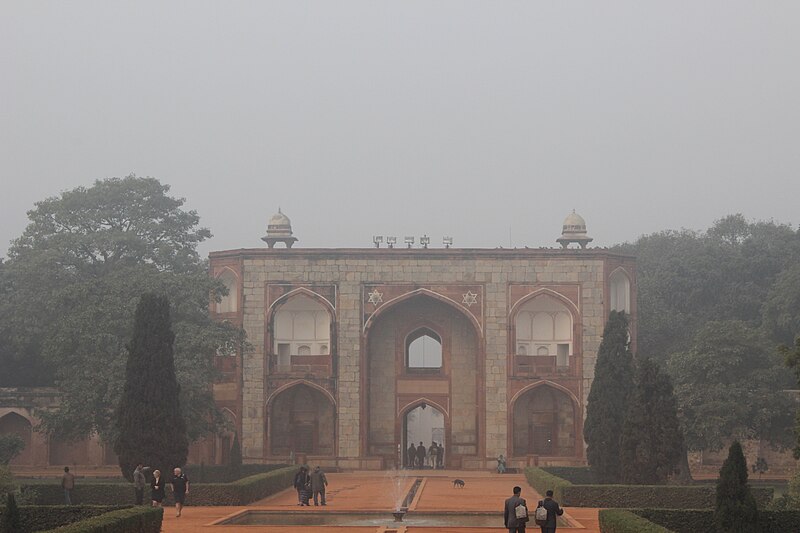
349, 375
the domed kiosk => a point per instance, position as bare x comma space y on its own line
574, 230
279, 229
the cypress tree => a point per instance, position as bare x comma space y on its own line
236, 456
150, 428
736, 510
12, 523
651, 444
607, 404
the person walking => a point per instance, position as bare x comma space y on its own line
67, 483
421, 455
501, 464
553, 510
440, 456
432, 454
411, 455
139, 482
300, 481
157, 489
180, 488
318, 484
512, 521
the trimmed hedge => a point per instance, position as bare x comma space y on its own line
41, 517
139, 519
240, 492
579, 475
226, 473
624, 521
630, 496
702, 520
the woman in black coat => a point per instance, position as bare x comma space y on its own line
157, 486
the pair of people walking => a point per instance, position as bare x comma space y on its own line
515, 513
179, 485
307, 484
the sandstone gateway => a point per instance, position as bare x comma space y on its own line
355, 353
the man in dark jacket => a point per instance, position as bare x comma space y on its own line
553, 510
421, 455
318, 484
301, 482
514, 524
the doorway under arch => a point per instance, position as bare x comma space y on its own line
423, 425
301, 420
544, 423
14, 424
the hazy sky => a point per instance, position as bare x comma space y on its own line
487, 121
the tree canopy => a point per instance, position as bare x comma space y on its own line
72, 282
731, 383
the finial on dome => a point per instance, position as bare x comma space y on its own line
279, 229
574, 230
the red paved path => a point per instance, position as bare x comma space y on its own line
366, 491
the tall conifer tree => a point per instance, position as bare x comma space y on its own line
149, 422
651, 444
608, 399
736, 510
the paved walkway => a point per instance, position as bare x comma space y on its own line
373, 491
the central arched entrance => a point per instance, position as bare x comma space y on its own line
423, 425
545, 423
301, 420
422, 349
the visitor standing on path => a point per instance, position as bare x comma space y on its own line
553, 510
157, 491
411, 455
318, 484
421, 455
300, 482
501, 464
139, 482
432, 455
514, 523
180, 488
440, 456
67, 483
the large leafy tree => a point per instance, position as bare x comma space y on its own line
735, 510
75, 276
792, 360
150, 426
608, 399
730, 384
782, 306
651, 444
687, 278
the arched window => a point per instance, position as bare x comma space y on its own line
302, 326
423, 350
230, 302
544, 328
620, 288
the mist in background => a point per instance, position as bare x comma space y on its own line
487, 121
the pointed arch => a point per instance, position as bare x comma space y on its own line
549, 292
431, 294
544, 418
410, 406
619, 288
307, 292
542, 383
295, 383
228, 303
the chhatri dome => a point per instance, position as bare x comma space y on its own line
279, 229
574, 230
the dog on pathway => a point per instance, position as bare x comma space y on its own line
458, 483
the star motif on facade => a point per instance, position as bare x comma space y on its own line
470, 298
375, 297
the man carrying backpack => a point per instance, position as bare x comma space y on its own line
516, 512
546, 513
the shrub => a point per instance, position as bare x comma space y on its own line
131, 520
579, 475
241, 492
11, 522
622, 521
736, 510
41, 517
224, 473
702, 520
630, 496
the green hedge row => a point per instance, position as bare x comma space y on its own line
623, 521
139, 519
224, 473
579, 475
702, 520
240, 492
630, 496
42, 517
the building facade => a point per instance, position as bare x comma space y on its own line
350, 350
